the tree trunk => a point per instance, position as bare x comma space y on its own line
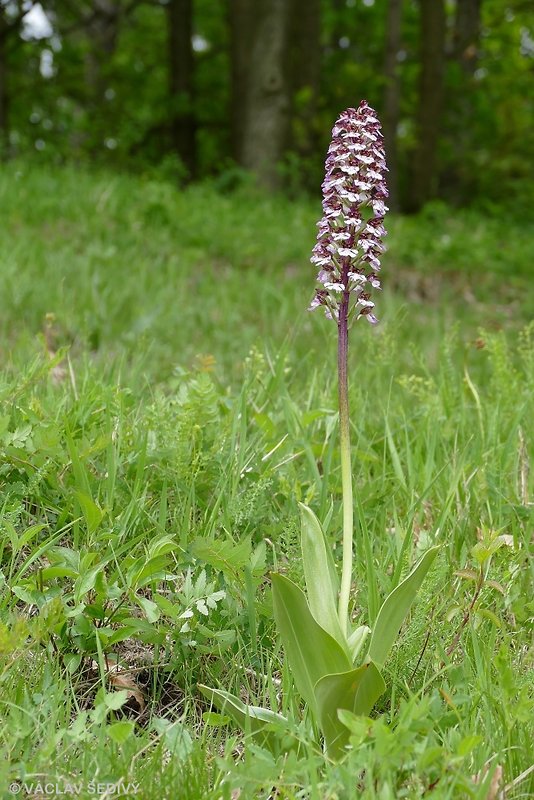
305, 73
460, 106
430, 101
9, 30
262, 109
466, 34
392, 97
181, 82
337, 8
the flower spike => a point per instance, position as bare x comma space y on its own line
349, 242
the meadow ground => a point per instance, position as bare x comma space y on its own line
165, 402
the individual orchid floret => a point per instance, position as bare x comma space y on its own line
349, 242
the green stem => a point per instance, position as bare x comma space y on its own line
346, 472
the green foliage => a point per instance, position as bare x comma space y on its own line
100, 479
106, 100
395, 607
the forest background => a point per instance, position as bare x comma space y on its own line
198, 88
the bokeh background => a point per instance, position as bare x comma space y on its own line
197, 88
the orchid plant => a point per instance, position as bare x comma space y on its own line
336, 666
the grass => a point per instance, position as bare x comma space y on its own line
165, 402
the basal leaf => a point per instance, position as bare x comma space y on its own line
311, 651
265, 725
321, 589
356, 691
395, 607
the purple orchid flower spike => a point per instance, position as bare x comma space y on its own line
349, 242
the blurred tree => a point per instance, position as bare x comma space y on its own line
241, 24
467, 33
181, 82
88, 33
11, 17
262, 106
305, 55
461, 97
4, 98
102, 28
198, 85
392, 97
430, 103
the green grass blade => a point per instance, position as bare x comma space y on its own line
373, 602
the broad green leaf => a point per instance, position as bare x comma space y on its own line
92, 513
265, 725
321, 590
357, 640
64, 555
311, 651
175, 736
114, 700
257, 559
329, 555
162, 546
85, 582
122, 633
395, 607
356, 691
29, 596
12, 533
215, 720
171, 610
150, 608
120, 731
145, 571
49, 573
